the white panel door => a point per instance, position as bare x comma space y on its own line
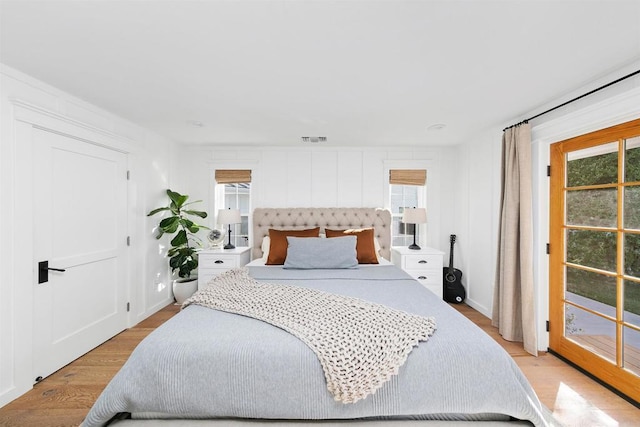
79, 227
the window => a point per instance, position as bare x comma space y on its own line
407, 189
233, 191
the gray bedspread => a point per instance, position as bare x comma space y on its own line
204, 363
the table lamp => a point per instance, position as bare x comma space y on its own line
229, 216
414, 216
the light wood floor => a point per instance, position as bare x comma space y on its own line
64, 398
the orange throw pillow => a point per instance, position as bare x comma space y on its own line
278, 246
365, 248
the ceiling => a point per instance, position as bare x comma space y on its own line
361, 73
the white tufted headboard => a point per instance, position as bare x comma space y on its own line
335, 218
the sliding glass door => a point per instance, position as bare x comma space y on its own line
595, 254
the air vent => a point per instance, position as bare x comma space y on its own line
314, 139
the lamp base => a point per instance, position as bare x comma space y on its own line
414, 246
229, 245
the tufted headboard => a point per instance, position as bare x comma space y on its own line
336, 218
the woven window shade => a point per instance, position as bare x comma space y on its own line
408, 176
233, 176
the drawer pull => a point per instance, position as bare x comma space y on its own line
219, 261
422, 277
422, 261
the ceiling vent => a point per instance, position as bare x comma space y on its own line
314, 139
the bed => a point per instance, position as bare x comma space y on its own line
217, 367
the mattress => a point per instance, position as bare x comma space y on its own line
209, 366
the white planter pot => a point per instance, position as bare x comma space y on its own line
184, 288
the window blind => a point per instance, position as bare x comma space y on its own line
408, 176
233, 176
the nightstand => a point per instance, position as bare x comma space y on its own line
212, 262
424, 265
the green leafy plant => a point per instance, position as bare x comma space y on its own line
183, 254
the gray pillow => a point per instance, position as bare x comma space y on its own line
317, 252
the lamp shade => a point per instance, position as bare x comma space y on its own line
414, 216
229, 216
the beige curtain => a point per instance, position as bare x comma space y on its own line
513, 297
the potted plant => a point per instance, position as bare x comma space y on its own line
183, 253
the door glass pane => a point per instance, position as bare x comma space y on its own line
592, 332
592, 166
631, 351
632, 207
632, 254
632, 302
632, 159
596, 208
592, 290
596, 249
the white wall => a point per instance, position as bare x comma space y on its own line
327, 177
30, 101
476, 216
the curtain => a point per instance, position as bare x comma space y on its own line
513, 297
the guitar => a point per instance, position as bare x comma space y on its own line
453, 291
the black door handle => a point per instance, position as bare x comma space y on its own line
43, 271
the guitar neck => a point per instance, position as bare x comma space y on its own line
451, 258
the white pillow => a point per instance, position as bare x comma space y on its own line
376, 246
266, 244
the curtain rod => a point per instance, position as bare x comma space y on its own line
574, 99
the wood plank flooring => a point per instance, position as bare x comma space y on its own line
64, 398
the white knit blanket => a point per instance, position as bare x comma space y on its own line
360, 344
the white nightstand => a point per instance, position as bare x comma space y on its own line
424, 264
212, 262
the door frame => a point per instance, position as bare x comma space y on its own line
610, 373
24, 270
619, 108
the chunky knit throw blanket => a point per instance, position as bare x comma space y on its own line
360, 344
